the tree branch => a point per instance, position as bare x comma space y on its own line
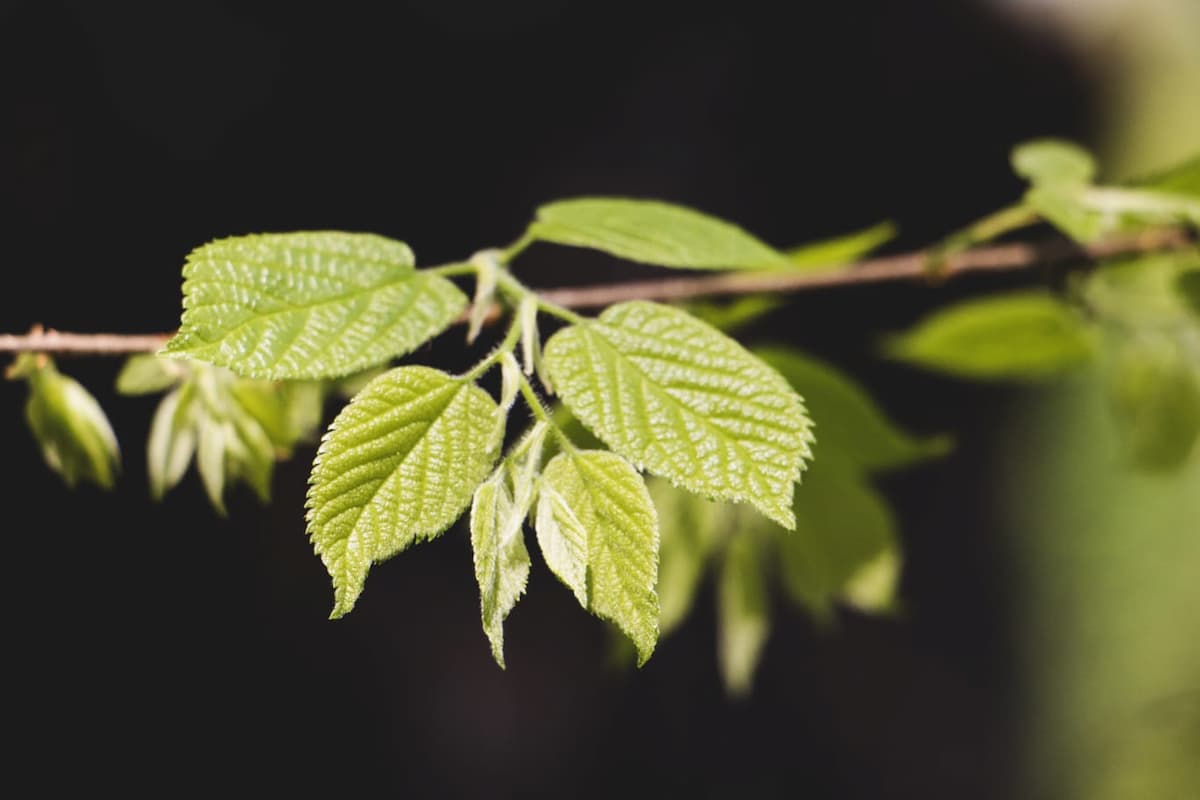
906, 266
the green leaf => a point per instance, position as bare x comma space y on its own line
850, 422
148, 374
501, 560
652, 232
743, 613
172, 441
289, 413
1155, 394
841, 250
308, 305
75, 437
1021, 336
398, 465
1187, 283
689, 528
845, 547
1064, 208
684, 401
1053, 162
498, 512
598, 532
1181, 179
1142, 293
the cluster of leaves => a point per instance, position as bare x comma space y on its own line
1137, 317
273, 323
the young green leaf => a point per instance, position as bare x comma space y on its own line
652, 232
398, 465
308, 305
845, 547
850, 422
841, 250
689, 529
1021, 336
497, 515
1142, 293
1053, 162
743, 613
598, 532
501, 560
172, 441
148, 374
75, 437
1060, 173
682, 400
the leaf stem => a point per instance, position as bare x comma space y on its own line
450, 270
507, 345
517, 247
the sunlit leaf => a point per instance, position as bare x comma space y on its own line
71, 429
148, 374
743, 613
398, 465
652, 232
1022, 335
593, 507
849, 421
1053, 162
308, 305
841, 250
682, 400
1065, 209
844, 548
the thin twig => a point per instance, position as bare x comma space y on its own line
906, 266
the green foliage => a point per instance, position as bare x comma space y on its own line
743, 612
1053, 162
850, 421
308, 305
1187, 284
1154, 388
686, 402
399, 464
235, 427
652, 233
71, 429
498, 513
598, 532
841, 250
1020, 335
723, 431
146, 373
845, 548
691, 530
1062, 192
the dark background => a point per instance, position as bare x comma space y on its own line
160, 647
